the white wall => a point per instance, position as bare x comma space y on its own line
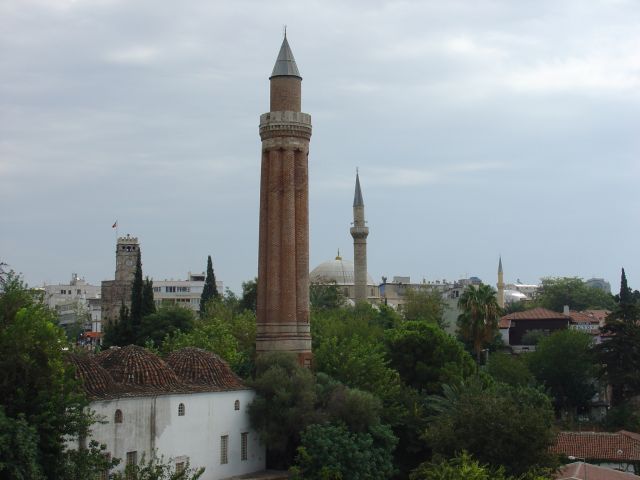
153, 423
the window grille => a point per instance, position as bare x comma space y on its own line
224, 449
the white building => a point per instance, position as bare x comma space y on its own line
64, 293
190, 410
186, 293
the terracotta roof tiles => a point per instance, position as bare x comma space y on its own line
538, 313
135, 371
621, 446
195, 366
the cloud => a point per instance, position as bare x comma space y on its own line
597, 72
134, 55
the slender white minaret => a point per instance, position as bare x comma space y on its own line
500, 284
359, 232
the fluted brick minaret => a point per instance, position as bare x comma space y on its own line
359, 232
283, 257
500, 284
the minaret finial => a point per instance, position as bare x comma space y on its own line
285, 31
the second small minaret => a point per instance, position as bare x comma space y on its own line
359, 232
500, 284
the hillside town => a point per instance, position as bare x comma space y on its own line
318, 372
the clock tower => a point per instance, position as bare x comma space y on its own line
117, 292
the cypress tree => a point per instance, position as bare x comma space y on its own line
625, 291
148, 305
210, 290
136, 296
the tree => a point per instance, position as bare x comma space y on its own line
323, 296
157, 469
424, 305
361, 364
119, 333
42, 403
618, 353
555, 293
464, 467
283, 407
329, 451
478, 322
169, 319
210, 290
137, 290
18, 448
564, 363
498, 424
426, 357
249, 298
510, 369
148, 304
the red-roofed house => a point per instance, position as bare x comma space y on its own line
619, 450
516, 325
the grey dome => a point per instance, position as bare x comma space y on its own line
338, 271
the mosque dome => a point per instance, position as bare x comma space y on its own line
196, 366
134, 366
338, 271
95, 380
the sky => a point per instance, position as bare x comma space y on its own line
480, 128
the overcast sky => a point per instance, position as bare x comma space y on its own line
479, 127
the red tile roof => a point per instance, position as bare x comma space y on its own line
538, 313
135, 371
584, 471
621, 446
195, 366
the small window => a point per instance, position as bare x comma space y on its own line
181, 410
224, 449
117, 418
132, 459
104, 475
244, 440
236, 405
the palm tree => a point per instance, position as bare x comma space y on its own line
478, 322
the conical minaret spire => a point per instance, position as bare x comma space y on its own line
283, 257
500, 284
359, 232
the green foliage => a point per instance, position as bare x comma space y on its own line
249, 300
18, 449
333, 452
325, 296
564, 363
478, 322
498, 424
284, 405
465, 467
137, 290
119, 333
424, 305
148, 304
166, 321
623, 417
361, 364
533, 337
426, 357
210, 289
555, 293
510, 369
88, 463
41, 400
157, 469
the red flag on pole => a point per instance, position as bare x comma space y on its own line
115, 225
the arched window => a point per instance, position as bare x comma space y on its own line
236, 405
117, 418
181, 410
